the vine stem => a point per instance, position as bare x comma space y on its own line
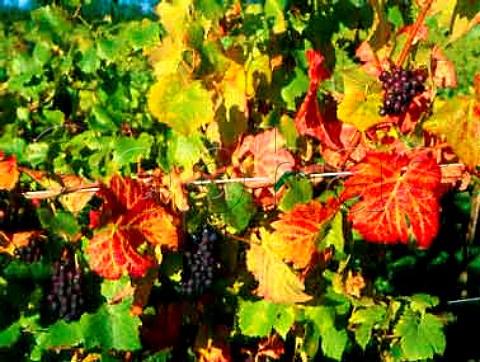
474, 214
411, 36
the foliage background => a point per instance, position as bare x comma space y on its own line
95, 96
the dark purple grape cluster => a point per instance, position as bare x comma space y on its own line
31, 253
65, 299
400, 86
199, 263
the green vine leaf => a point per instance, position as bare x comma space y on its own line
365, 320
257, 319
10, 335
333, 340
421, 336
111, 327
183, 105
240, 207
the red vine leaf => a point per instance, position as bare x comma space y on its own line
310, 121
8, 172
398, 198
112, 251
263, 155
276, 282
295, 232
132, 217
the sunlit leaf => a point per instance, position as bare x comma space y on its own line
362, 100
443, 70
274, 9
132, 216
398, 198
276, 282
235, 92
8, 172
459, 121
258, 319
296, 231
421, 336
263, 155
333, 341
183, 105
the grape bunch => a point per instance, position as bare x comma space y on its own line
65, 299
400, 86
31, 253
199, 263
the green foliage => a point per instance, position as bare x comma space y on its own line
421, 336
322, 326
365, 320
257, 319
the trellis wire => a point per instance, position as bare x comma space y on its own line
45, 194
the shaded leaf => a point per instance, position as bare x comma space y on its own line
239, 206
333, 341
364, 320
299, 190
112, 327
62, 222
309, 119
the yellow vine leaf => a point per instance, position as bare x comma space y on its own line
167, 57
173, 15
459, 121
361, 101
276, 281
234, 87
181, 103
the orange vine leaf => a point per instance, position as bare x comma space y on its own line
129, 218
398, 198
276, 281
295, 231
8, 172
